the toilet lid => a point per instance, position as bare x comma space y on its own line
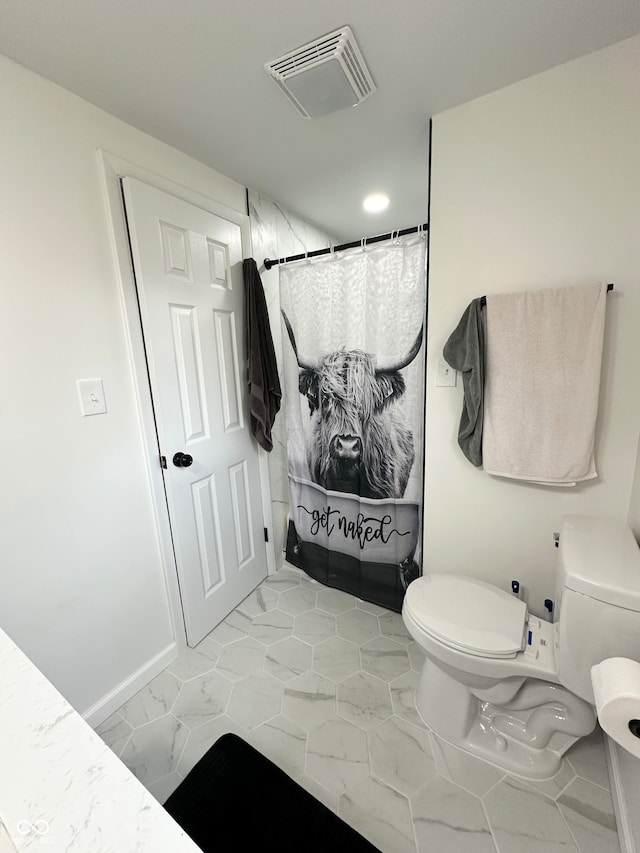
468, 614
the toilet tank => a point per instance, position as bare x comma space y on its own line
597, 598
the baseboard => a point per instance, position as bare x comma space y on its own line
104, 707
620, 803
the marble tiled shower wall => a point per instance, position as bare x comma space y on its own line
276, 233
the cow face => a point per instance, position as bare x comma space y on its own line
346, 389
346, 397
356, 437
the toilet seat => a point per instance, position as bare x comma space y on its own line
468, 615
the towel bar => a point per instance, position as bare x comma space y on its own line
483, 299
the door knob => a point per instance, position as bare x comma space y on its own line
182, 460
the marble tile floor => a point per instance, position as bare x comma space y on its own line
323, 684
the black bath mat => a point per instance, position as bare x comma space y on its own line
235, 799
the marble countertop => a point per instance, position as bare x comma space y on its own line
61, 787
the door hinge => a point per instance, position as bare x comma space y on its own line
163, 461
266, 535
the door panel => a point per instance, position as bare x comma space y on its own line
188, 269
205, 506
186, 346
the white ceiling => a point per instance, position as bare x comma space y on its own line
190, 72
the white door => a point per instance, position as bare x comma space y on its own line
188, 270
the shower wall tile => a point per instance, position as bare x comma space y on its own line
275, 233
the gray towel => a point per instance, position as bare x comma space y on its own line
464, 351
262, 369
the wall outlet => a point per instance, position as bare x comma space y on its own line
446, 376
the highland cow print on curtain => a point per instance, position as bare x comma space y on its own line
353, 332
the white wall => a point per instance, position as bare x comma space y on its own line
277, 233
633, 516
537, 185
627, 766
83, 590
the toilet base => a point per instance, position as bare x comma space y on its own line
526, 736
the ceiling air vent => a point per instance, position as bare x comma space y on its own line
323, 76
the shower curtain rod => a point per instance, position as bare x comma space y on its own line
268, 262
483, 299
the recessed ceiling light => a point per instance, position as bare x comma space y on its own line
376, 202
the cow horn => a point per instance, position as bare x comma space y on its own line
302, 364
403, 362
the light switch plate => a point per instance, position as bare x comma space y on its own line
92, 400
445, 375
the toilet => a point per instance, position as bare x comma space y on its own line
507, 686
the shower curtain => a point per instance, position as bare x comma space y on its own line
353, 343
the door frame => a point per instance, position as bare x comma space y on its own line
112, 168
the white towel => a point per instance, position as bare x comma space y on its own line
542, 381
